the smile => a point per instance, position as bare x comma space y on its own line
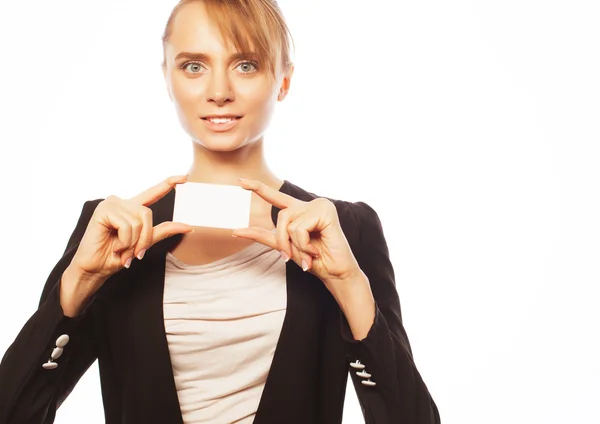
220, 120
221, 123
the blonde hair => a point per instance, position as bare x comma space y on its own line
246, 23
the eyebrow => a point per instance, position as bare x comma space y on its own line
205, 57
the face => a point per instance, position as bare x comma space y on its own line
223, 100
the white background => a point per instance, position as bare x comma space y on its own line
471, 127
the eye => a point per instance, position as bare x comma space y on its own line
248, 66
194, 68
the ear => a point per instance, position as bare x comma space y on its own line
164, 71
285, 84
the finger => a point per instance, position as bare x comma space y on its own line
300, 230
260, 235
167, 229
274, 197
302, 259
121, 246
145, 239
283, 238
118, 222
136, 229
153, 194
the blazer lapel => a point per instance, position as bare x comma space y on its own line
148, 363
297, 348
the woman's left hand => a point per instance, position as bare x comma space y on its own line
307, 232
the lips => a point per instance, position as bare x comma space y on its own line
221, 123
218, 116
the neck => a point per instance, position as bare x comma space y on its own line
227, 167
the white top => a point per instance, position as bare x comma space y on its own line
222, 322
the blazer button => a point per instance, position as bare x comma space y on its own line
56, 352
368, 383
363, 374
62, 340
357, 365
50, 365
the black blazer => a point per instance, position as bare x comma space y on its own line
123, 328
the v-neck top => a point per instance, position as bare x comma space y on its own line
222, 322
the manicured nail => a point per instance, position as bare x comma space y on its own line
284, 256
128, 263
141, 254
304, 265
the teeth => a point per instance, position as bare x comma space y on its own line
220, 120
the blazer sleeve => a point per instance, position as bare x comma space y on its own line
395, 392
30, 393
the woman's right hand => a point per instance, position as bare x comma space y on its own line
118, 231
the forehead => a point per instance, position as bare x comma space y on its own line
194, 31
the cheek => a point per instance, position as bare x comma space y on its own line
258, 99
186, 91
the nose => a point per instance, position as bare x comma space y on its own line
219, 90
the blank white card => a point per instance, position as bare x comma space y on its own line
212, 205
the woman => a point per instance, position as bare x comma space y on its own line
190, 324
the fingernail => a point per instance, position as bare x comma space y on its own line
141, 254
128, 263
284, 256
304, 265
233, 235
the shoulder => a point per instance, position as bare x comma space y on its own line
359, 210
87, 211
355, 216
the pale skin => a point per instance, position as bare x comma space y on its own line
211, 84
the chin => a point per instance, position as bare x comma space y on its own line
220, 143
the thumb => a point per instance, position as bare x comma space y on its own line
167, 229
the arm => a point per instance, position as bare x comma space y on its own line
30, 393
399, 394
